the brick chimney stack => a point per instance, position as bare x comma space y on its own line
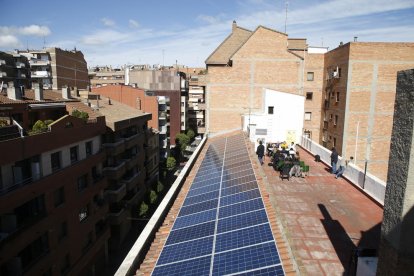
234, 26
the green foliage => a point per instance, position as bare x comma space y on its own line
171, 163
153, 196
190, 134
183, 141
39, 126
48, 122
143, 209
3, 123
80, 114
160, 187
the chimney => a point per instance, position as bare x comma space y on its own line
355, 38
13, 92
38, 89
66, 93
234, 26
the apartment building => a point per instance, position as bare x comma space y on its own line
164, 106
163, 83
52, 207
69, 190
248, 62
124, 143
196, 103
56, 68
348, 92
14, 68
106, 75
358, 102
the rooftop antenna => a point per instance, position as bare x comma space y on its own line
44, 42
286, 8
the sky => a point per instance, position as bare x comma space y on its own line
186, 32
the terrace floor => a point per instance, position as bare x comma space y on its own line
324, 219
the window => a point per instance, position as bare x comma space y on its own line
309, 96
83, 213
336, 120
330, 117
337, 96
82, 182
74, 154
310, 76
59, 196
88, 147
55, 161
334, 142
270, 109
32, 252
63, 231
308, 116
182, 113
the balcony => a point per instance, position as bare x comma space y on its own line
38, 62
115, 148
132, 181
115, 193
163, 129
132, 161
20, 65
117, 216
115, 172
40, 74
3, 74
132, 140
162, 115
21, 76
131, 198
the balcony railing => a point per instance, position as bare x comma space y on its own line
114, 148
40, 74
116, 171
131, 181
116, 192
38, 62
117, 216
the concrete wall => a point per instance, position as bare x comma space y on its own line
370, 184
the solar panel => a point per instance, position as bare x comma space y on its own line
222, 227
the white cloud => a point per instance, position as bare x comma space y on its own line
9, 41
108, 22
35, 30
31, 30
105, 37
133, 23
210, 19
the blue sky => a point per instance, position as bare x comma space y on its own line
162, 31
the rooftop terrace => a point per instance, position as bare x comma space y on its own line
318, 221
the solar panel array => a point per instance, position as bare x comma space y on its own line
222, 227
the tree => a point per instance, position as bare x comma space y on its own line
160, 187
143, 209
153, 196
171, 163
190, 134
183, 141
39, 126
48, 122
80, 114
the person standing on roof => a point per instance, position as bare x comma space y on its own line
334, 159
260, 152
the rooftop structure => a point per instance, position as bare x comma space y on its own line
69, 185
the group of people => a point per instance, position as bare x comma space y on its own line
281, 154
338, 171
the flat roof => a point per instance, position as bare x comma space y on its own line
222, 214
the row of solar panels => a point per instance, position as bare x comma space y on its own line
222, 227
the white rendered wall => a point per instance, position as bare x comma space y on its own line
286, 122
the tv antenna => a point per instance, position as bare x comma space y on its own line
286, 10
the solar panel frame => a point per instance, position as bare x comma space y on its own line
224, 205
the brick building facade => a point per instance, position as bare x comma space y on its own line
349, 91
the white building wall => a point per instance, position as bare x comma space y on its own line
286, 122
